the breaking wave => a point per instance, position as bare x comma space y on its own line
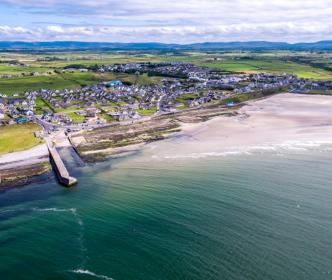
72, 210
249, 150
88, 272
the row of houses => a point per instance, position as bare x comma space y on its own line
123, 101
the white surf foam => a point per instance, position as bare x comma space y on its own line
285, 147
88, 272
72, 210
204, 155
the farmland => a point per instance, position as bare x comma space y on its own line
271, 66
50, 66
94, 88
66, 80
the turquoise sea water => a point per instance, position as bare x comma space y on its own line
261, 216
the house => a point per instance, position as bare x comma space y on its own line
17, 101
91, 112
29, 113
115, 115
2, 103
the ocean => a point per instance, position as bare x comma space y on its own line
260, 215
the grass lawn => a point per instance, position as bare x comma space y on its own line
147, 112
108, 118
184, 98
181, 107
14, 138
144, 80
76, 118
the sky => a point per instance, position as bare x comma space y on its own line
168, 21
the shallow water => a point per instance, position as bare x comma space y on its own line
263, 215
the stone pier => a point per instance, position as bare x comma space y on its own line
59, 167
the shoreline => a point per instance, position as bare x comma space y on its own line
36, 154
22, 175
281, 120
19, 168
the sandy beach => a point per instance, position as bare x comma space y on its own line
283, 121
19, 168
287, 121
32, 156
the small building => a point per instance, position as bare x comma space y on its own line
2, 104
21, 120
114, 83
2, 114
91, 112
29, 113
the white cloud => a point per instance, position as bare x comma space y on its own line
175, 21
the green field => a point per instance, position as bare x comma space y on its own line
303, 64
14, 138
76, 118
271, 66
68, 80
107, 117
13, 70
55, 81
184, 98
147, 112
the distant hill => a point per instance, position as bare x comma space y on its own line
253, 45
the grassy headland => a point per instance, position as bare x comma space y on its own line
16, 138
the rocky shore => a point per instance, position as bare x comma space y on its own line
22, 175
114, 141
20, 168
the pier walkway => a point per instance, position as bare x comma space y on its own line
60, 169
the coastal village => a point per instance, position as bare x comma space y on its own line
182, 86
166, 140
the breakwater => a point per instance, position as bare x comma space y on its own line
59, 167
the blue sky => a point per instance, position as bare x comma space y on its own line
170, 21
